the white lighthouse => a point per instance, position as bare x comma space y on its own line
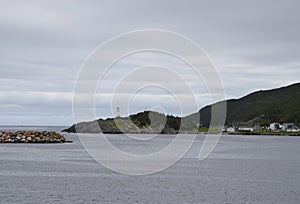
118, 112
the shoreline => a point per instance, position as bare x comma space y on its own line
189, 133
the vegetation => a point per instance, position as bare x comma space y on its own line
260, 108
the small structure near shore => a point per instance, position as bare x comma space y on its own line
245, 129
32, 137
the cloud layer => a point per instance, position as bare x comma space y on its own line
254, 44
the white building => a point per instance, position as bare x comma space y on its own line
288, 126
275, 126
230, 129
246, 129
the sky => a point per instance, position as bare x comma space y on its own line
255, 45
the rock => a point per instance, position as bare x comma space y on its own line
32, 137
28, 133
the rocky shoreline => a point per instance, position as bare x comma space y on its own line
32, 137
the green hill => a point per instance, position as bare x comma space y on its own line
144, 122
261, 107
258, 108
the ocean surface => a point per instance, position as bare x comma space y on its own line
242, 169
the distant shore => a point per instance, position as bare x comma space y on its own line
266, 134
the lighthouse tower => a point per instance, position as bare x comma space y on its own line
118, 112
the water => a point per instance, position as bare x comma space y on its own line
33, 128
242, 169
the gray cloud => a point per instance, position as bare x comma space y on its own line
255, 45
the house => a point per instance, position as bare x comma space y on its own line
288, 126
230, 129
293, 128
296, 129
245, 129
276, 126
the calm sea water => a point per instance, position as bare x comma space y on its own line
34, 128
242, 169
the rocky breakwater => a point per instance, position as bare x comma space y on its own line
32, 137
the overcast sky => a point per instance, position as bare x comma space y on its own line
254, 44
